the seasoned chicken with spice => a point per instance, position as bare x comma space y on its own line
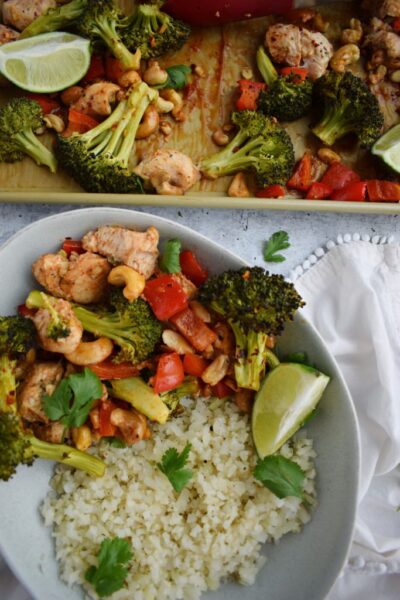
385, 8
82, 278
69, 339
137, 249
7, 34
97, 99
169, 172
41, 379
21, 13
53, 433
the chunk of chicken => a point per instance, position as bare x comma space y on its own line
188, 287
97, 99
54, 432
21, 13
295, 46
137, 249
384, 40
169, 172
385, 8
132, 425
43, 318
7, 34
41, 379
81, 278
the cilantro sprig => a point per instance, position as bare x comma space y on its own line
110, 574
178, 77
172, 465
169, 262
73, 398
278, 241
282, 476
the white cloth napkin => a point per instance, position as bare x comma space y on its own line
353, 299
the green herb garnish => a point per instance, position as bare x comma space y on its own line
178, 77
280, 475
109, 576
172, 464
278, 241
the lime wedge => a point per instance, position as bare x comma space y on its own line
46, 63
288, 394
388, 148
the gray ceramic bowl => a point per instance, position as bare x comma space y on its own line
300, 567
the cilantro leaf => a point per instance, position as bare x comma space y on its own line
169, 262
278, 241
280, 475
178, 77
73, 398
172, 464
109, 576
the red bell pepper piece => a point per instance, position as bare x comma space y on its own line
249, 92
319, 191
114, 68
383, 191
301, 179
70, 246
194, 329
191, 268
194, 365
106, 428
169, 373
47, 104
221, 390
96, 69
272, 191
356, 192
299, 74
78, 122
24, 311
165, 296
339, 176
109, 370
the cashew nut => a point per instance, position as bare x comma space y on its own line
395, 76
82, 437
129, 78
354, 34
176, 342
344, 57
163, 106
71, 95
175, 98
238, 187
220, 138
54, 122
154, 74
133, 281
328, 156
319, 23
91, 353
200, 311
199, 71
377, 76
165, 128
216, 370
247, 73
149, 124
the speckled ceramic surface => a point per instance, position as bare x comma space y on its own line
301, 567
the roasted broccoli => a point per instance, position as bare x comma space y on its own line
7, 383
154, 32
56, 19
287, 97
17, 335
58, 327
256, 305
260, 145
189, 388
98, 159
18, 446
19, 118
101, 20
347, 106
131, 325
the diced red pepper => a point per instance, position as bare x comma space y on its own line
272, 191
221, 390
24, 311
81, 121
96, 69
47, 104
106, 428
339, 176
114, 68
194, 365
356, 192
396, 24
299, 74
165, 296
319, 191
191, 268
194, 329
70, 246
169, 373
249, 92
301, 178
109, 370
383, 191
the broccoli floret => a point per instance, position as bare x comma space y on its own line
131, 325
256, 305
189, 388
101, 20
98, 159
58, 326
347, 106
153, 31
18, 446
19, 118
56, 19
17, 335
260, 145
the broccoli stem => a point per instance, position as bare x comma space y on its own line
227, 161
108, 33
36, 150
99, 326
265, 66
66, 455
252, 356
55, 19
35, 299
333, 125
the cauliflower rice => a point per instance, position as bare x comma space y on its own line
182, 544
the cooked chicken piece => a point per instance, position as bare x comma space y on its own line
81, 278
293, 46
137, 249
385, 8
42, 319
132, 425
54, 432
384, 40
169, 172
21, 13
388, 96
97, 99
41, 379
188, 287
7, 34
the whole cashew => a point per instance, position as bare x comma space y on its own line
344, 57
149, 124
154, 74
175, 98
216, 370
129, 78
133, 281
90, 353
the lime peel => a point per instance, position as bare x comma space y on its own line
388, 148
